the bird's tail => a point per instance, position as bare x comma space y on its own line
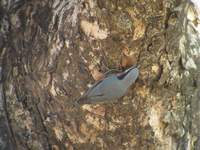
78, 102
75, 104
82, 100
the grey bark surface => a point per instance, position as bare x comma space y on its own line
46, 48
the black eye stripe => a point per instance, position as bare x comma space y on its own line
122, 75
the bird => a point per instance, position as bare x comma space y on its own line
110, 88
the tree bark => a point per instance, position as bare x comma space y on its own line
47, 48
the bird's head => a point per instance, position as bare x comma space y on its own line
129, 76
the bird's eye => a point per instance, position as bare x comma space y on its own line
122, 75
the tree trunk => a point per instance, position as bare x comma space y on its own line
47, 48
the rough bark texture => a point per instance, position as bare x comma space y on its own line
46, 48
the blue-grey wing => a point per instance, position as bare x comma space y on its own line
94, 89
107, 89
100, 88
93, 95
114, 89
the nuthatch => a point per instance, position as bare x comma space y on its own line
111, 88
